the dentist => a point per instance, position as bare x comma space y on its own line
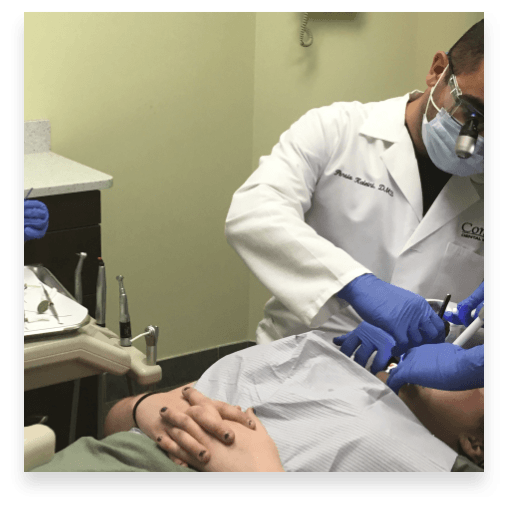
364, 210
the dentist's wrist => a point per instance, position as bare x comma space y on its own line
349, 290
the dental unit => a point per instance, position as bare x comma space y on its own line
85, 349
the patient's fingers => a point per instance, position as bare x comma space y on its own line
185, 433
177, 461
234, 414
226, 411
177, 454
209, 419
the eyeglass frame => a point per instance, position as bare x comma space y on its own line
456, 94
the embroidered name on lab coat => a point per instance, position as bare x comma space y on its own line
380, 187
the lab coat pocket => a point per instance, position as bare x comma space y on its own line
460, 273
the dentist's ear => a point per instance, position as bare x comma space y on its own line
439, 64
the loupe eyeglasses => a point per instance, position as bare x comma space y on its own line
467, 116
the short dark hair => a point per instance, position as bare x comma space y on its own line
467, 53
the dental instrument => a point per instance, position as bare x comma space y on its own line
125, 319
446, 301
125, 325
441, 312
48, 303
470, 330
100, 308
78, 288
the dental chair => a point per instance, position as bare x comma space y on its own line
91, 350
96, 350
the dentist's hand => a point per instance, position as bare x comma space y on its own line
406, 316
36, 219
465, 308
370, 339
441, 366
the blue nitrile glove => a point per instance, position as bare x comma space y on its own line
465, 307
441, 366
406, 316
36, 219
370, 339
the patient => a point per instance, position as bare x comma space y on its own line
323, 411
316, 410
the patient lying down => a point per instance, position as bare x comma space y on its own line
316, 410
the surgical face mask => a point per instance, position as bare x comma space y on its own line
439, 137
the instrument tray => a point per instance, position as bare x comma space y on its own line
71, 314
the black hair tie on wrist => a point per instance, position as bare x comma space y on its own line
137, 404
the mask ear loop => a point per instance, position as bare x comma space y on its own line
432, 91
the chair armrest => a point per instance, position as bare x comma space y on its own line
39, 445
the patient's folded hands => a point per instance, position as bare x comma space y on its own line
163, 417
252, 450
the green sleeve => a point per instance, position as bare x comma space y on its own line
123, 452
464, 465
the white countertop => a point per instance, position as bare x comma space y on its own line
49, 174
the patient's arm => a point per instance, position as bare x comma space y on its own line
119, 418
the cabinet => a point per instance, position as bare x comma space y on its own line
74, 226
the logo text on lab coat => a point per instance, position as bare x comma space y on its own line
469, 230
381, 187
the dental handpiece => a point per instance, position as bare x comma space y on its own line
470, 330
100, 307
125, 319
78, 287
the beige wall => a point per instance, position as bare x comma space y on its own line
178, 108
163, 103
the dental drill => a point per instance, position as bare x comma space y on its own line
125, 319
151, 334
78, 287
470, 330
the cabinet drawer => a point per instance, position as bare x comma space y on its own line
67, 211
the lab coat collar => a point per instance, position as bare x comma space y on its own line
387, 119
458, 195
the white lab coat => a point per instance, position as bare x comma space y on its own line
340, 196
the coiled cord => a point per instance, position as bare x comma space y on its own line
304, 30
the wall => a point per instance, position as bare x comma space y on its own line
163, 103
